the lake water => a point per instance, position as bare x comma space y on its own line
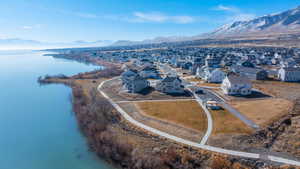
38, 129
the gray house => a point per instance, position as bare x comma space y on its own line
133, 82
289, 74
170, 85
251, 73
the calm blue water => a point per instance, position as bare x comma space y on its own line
38, 129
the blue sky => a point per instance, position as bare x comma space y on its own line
71, 20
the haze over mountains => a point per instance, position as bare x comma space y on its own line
11, 44
273, 25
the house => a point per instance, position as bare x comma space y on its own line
210, 75
235, 84
133, 82
170, 85
212, 61
288, 63
197, 61
289, 74
247, 63
214, 76
250, 73
149, 72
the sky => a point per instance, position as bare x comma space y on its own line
91, 20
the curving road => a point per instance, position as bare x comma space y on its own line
190, 143
209, 118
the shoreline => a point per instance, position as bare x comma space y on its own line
121, 144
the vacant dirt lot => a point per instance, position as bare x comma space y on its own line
263, 112
226, 123
185, 113
290, 91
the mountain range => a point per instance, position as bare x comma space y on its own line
286, 23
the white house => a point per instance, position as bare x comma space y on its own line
236, 85
289, 74
210, 75
214, 75
170, 85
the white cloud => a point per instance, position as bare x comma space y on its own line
149, 17
30, 27
234, 13
27, 27
226, 8
157, 17
241, 17
183, 19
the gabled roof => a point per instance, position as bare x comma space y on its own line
148, 68
242, 69
237, 79
170, 79
130, 72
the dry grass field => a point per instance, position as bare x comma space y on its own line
225, 123
263, 112
290, 91
186, 113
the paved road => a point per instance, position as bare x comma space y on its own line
233, 111
165, 100
190, 143
209, 119
240, 116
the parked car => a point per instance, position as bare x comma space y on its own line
213, 105
199, 91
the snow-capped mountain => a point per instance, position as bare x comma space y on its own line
280, 23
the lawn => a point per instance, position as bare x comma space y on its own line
185, 113
226, 123
263, 112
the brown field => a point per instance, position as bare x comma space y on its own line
226, 123
290, 91
263, 112
185, 113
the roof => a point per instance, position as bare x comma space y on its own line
291, 69
237, 79
243, 69
130, 72
170, 79
148, 68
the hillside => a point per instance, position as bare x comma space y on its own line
284, 23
